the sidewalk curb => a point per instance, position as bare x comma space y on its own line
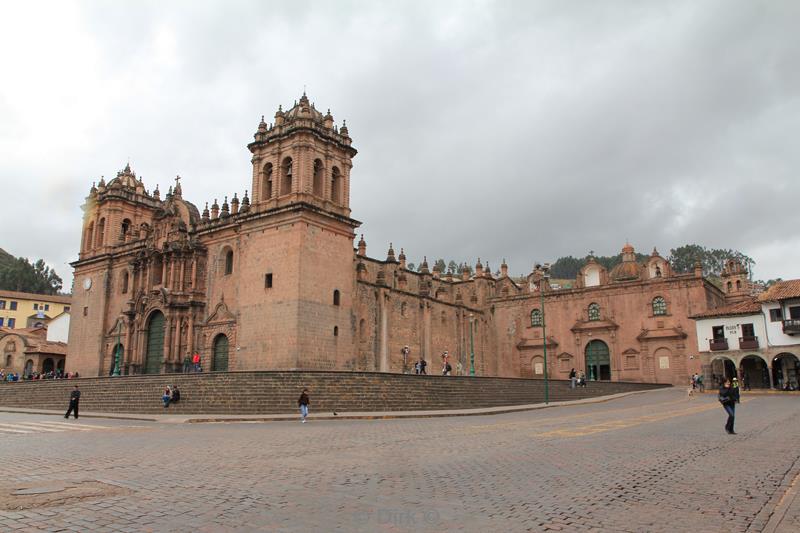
377, 415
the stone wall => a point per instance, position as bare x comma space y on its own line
265, 392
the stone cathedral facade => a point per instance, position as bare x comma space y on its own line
273, 280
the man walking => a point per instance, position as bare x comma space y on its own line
74, 399
573, 377
187, 363
422, 364
303, 402
727, 397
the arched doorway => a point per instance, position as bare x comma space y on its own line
60, 365
220, 361
786, 371
598, 361
28, 368
754, 373
722, 368
155, 344
48, 366
117, 351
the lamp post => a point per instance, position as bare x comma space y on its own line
117, 350
545, 269
471, 347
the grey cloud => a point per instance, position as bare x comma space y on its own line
524, 130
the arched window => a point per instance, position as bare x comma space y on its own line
335, 331
158, 268
536, 318
88, 243
336, 297
126, 227
659, 305
124, 282
336, 185
229, 262
266, 186
730, 286
8, 361
319, 173
101, 230
594, 311
738, 284
286, 176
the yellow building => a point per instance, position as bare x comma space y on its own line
20, 310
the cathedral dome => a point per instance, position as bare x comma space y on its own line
625, 271
303, 110
125, 178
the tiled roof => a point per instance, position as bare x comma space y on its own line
782, 290
747, 307
59, 348
48, 298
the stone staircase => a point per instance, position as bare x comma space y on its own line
276, 392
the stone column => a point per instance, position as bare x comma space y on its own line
426, 333
167, 341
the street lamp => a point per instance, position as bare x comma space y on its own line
545, 271
117, 350
471, 347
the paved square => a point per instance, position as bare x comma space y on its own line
647, 462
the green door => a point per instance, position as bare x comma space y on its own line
598, 361
220, 362
155, 344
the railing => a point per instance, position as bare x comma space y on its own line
791, 326
718, 344
748, 343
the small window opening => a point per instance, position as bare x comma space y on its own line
336, 297
267, 281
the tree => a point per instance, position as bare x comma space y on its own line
440, 265
411, 267
18, 274
452, 267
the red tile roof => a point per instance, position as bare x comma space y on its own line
747, 307
49, 298
782, 290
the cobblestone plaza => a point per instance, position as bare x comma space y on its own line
654, 461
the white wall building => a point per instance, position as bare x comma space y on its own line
756, 340
58, 328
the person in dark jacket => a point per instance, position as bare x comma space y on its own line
727, 397
74, 399
303, 402
176, 394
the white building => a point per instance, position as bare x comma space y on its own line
757, 339
58, 328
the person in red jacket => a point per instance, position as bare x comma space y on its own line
196, 361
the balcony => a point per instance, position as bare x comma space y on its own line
791, 326
718, 344
748, 343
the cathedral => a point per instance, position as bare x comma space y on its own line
272, 280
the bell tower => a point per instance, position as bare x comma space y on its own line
302, 158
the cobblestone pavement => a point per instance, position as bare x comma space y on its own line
648, 462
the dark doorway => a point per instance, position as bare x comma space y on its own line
220, 362
155, 344
786, 371
598, 361
755, 374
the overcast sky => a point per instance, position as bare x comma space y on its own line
524, 130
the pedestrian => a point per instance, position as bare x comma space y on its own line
459, 368
700, 384
690, 390
573, 378
746, 382
422, 365
694, 381
74, 400
176, 394
187, 363
582, 378
447, 369
303, 403
196, 361
728, 400
416, 368
166, 396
